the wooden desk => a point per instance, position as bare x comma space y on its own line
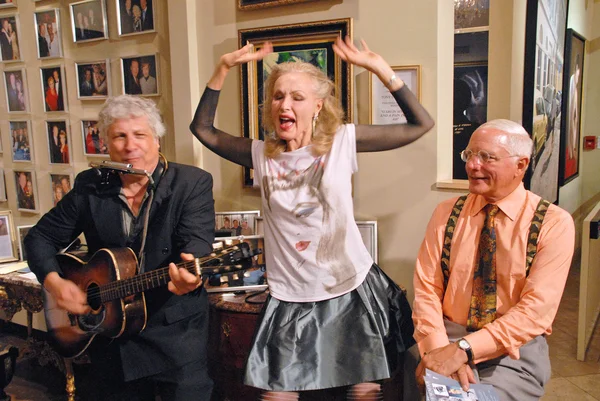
17, 293
232, 324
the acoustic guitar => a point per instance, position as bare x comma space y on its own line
115, 293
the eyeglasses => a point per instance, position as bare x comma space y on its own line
483, 155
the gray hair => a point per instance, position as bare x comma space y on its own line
519, 141
127, 106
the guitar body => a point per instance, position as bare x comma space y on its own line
72, 334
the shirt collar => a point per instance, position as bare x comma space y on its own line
510, 204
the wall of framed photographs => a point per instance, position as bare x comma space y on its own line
60, 61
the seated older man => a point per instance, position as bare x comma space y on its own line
491, 272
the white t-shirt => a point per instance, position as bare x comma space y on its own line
313, 248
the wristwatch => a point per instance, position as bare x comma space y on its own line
465, 346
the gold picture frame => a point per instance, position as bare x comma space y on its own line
309, 41
383, 108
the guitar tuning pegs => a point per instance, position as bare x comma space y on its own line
217, 245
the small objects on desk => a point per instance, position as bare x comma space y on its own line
12, 267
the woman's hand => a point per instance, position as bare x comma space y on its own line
367, 59
245, 55
235, 58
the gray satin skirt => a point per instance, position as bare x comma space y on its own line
350, 339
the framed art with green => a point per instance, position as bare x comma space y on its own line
310, 42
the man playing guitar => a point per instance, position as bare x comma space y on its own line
165, 216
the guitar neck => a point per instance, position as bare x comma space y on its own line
158, 278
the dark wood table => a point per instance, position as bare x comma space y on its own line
17, 293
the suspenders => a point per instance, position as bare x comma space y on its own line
532, 239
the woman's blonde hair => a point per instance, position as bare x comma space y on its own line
330, 117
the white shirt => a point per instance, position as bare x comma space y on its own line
313, 248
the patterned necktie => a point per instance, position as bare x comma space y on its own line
483, 297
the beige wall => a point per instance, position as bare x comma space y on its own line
396, 188
78, 110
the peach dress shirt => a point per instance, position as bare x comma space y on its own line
526, 306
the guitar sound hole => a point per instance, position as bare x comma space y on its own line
93, 297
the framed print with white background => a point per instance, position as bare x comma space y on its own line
8, 251
383, 108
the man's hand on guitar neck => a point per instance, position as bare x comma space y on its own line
182, 281
67, 294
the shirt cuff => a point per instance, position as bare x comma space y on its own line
433, 341
484, 346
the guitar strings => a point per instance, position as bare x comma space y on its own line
120, 288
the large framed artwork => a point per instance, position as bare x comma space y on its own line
542, 95
311, 42
571, 107
470, 109
258, 4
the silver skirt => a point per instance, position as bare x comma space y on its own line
350, 339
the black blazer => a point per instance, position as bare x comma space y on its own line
182, 219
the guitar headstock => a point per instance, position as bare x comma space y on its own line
228, 257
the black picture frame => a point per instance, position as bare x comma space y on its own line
570, 140
304, 38
544, 51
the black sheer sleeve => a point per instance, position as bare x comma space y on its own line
374, 138
232, 148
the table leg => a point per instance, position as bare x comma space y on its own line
70, 376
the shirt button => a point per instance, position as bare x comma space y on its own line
165, 251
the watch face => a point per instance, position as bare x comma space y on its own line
463, 344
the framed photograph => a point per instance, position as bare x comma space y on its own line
21, 233
311, 42
47, 28
21, 141
9, 38
251, 278
140, 75
53, 88
571, 107
135, 16
470, 109
60, 185
1, 150
93, 80
8, 251
258, 4
383, 108
542, 96
368, 232
7, 3
58, 142
2, 186
233, 224
15, 83
26, 190
94, 144
88, 20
